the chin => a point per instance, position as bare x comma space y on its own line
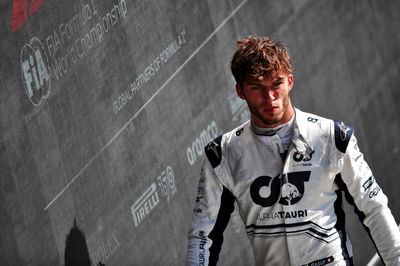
273, 120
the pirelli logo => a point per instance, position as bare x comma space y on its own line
162, 189
145, 204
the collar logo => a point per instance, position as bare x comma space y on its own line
312, 119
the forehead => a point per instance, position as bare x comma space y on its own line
274, 77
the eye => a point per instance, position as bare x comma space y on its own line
254, 88
277, 84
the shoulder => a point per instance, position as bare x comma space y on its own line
337, 131
216, 149
342, 133
312, 124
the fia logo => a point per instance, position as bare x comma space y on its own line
35, 71
287, 189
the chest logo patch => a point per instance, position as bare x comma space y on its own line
286, 190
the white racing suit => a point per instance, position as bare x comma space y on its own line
291, 205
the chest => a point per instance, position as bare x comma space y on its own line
265, 177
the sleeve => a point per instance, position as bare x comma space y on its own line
364, 193
211, 214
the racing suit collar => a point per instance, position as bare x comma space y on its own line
283, 130
299, 140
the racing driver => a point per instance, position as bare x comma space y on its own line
287, 171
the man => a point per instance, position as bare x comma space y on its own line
286, 169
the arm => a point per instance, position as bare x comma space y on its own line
369, 201
214, 205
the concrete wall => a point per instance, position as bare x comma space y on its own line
105, 107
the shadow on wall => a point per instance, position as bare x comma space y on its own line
76, 250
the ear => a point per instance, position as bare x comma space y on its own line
239, 91
291, 81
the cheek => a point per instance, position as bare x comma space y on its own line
253, 97
285, 100
283, 95
251, 103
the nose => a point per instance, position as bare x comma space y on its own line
269, 95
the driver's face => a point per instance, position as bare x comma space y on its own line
268, 99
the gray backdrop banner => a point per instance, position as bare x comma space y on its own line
106, 107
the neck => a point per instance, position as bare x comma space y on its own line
282, 130
287, 116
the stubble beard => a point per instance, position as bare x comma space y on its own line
254, 110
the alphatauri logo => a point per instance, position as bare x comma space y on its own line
298, 157
287, 189
35, 71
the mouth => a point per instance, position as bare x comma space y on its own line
271, 109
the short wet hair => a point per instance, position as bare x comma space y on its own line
259, 57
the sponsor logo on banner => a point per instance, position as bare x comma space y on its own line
106, 248
151, 197
145, 204
35, 71
67, 45
143, 78
166, 183
197, 148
